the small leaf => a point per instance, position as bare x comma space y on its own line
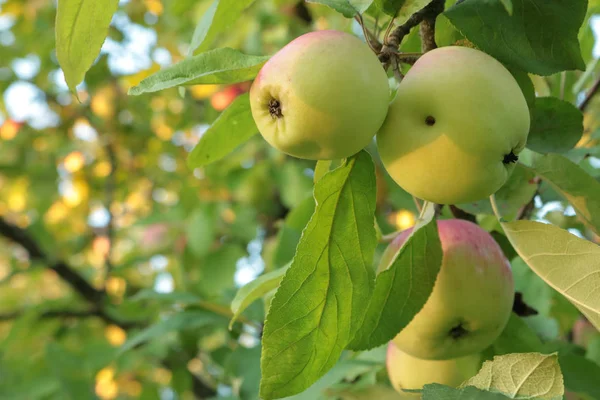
508, 6
567, 263
321, 300
234, 126
255, 290
440, 392
516, 192
517, 337
403, 288
348, 8
521, 376
401, 9
220, 16
571, 181
182, 320
200, 231
556, 126
523, 38
81, 27
217, 66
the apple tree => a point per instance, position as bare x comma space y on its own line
320, 199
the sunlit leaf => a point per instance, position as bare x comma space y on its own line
234, 126
255, 290
81, 27
401, 9
567, 263
223, 65
521, 375
220, 16
321, 301
403, 288
440, 392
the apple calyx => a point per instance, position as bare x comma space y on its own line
510, 158
458, 331
275, 108
430, 120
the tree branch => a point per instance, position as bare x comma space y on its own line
462, 214
590, 94
427, 29
393, 40
110, 193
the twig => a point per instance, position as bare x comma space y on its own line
526, 211
427, 30
369, 38
393, 40
462, 214
110, 193
590, 94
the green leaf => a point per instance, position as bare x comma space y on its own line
74, 374
517, 337
517, 191
172, 297
404, 287
401, 9
219, 66
348, 8
572, 182
234, 126
218, 269
321, 301
580, 374
508, 6
521, 375
523, 39
200, 230
81, 27
255, 290
291, 231
219, 17
556, 126
191, 319
567, 263
440, 392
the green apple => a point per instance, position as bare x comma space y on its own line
455, 129
471, 300
408, 372
323, 96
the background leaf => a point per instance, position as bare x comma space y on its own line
320, 303
440, 392
81, 27
233, 127
348, 8
223, 65
556, 126
523, 38
220, 16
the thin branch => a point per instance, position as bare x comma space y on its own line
526, 211
369, 37
393, 40
462, 214
590, 94
110, 193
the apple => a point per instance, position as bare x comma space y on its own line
322, 97
471, 300
456, 127
408, 372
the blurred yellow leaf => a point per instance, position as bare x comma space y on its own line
115, 335
103, 102
133, 80
74, 161
106, 387
154, 6
201, 92
404, 219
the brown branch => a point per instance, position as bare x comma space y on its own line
427, 29
526, 211
370, 38
590, 94
462, 214
110, 193
393, 40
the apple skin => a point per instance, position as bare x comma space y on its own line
453, 131
471, 300
408, 372
323, 96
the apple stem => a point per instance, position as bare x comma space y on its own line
495, 208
